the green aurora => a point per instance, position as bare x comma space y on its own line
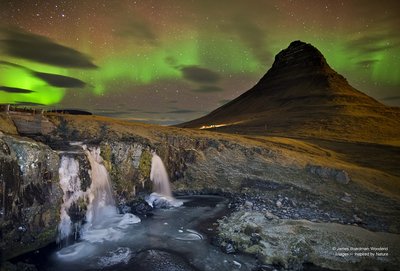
16, 77
149, 67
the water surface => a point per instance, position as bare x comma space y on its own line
172, 239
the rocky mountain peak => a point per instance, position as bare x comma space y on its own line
300, 54
302, 95
300, 59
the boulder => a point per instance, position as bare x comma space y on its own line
292, 243
326, 173
31, 195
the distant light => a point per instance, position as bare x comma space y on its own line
212, 126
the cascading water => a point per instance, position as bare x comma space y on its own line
159, 177
101, 202
108, 241
71, 186
162, 196
102, 219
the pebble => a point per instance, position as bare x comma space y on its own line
270, 215
357, 219
346, 199
22, 228
279, 204
239, 265
229, 248
255, 238
248, 204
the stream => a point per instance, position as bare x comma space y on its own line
172, 239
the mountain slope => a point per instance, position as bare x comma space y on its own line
301, 95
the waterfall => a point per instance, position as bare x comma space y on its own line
71, 186
101, 201
159, 177
162, 196
101, 213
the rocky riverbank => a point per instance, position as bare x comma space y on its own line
289, 244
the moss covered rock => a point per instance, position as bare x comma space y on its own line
291, 243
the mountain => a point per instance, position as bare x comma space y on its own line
302, 96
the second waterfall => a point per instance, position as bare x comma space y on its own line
162, 195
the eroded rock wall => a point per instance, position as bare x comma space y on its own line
192, 164
31, 195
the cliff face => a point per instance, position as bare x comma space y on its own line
31, 196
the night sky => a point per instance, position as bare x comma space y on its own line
171, 61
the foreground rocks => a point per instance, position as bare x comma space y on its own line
31, 196
292, 243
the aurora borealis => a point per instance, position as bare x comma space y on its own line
172, 61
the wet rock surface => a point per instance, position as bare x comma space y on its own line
137, 207
31, 195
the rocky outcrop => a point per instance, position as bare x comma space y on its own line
31, 196
326, 173
196, 164
31, 123
7, 125
128, 164
292, 243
